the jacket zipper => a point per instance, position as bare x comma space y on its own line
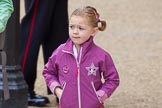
78, 83
78, 74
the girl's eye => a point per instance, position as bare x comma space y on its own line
71, 26
80, 28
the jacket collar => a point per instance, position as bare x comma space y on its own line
85, 46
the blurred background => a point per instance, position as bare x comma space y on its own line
134, 39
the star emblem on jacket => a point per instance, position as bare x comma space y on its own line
92, 69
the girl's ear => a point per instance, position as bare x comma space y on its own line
95, 31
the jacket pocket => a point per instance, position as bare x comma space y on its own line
63, 89
95, 91
68, 97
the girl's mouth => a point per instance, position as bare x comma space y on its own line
76, 37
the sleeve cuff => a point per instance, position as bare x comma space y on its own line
53, 86
102, 95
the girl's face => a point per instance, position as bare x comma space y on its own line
80, 30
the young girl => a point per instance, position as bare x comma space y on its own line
73, 72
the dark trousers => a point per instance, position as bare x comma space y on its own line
45, 23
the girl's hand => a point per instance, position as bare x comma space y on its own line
58, 92
101, 95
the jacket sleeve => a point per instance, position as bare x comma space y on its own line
110, 75
6, 9
50, 74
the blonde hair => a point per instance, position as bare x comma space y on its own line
93, 16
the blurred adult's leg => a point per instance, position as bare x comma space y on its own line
33, 27
58, 29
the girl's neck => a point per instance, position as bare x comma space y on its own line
77, 47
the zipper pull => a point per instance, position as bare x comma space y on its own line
77, 71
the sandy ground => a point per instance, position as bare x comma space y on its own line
134, 39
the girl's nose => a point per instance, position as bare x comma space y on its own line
75, 30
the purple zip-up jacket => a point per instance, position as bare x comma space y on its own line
80, 78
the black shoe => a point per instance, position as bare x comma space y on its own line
42, 97
37, 100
